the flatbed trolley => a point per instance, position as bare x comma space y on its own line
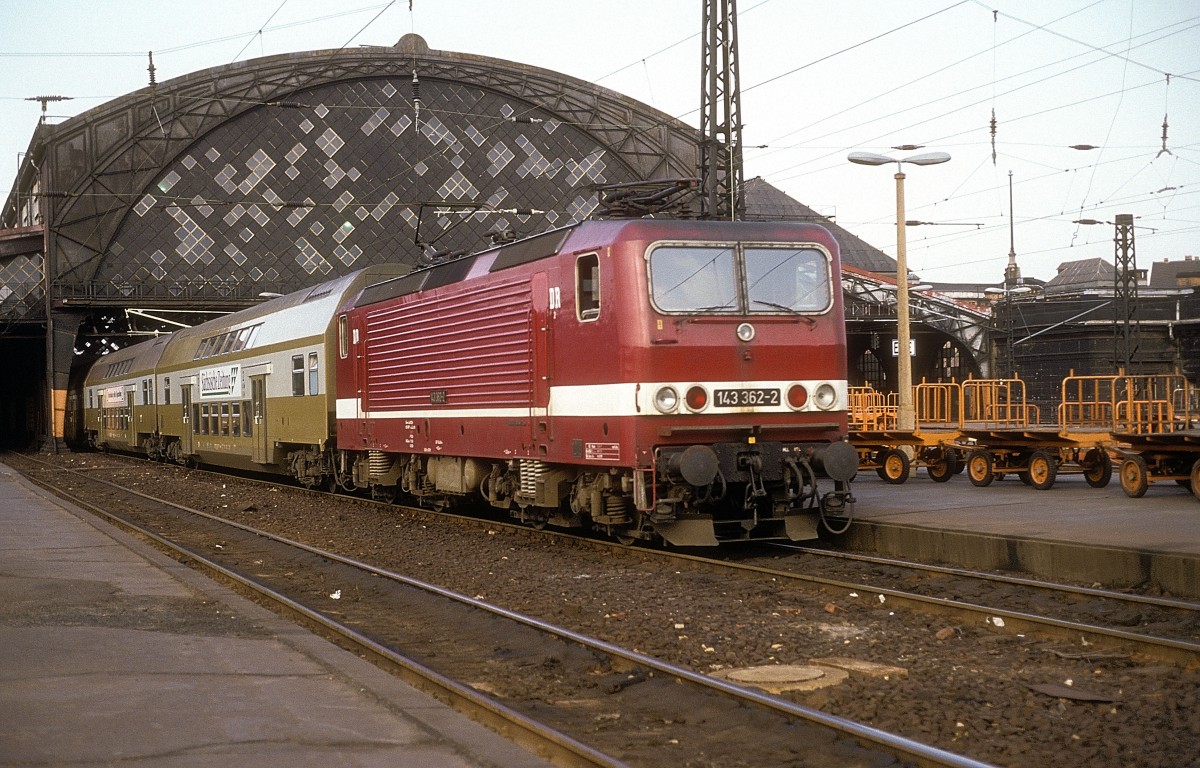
893, 452
1002, 433
1159, 431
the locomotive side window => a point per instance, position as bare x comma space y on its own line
343, 338
694, 279
587, 287
788, 279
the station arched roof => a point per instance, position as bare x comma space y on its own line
276, 173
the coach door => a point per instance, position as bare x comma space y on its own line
189, 428
132, 414
258, 406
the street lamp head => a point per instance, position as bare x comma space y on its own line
929, 158
870, 158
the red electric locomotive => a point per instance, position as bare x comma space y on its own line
649, 378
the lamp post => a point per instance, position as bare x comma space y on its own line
906, 417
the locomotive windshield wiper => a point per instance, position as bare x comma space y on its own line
781, 307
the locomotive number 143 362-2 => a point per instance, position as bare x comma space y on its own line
741, 398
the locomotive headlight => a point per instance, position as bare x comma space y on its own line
666, 399
745, 332
825, 397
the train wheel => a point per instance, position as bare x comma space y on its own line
979, 468
1097, 467
1042, 470
894, 466
1196, 479
1135, 477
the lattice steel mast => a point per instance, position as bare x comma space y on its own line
1125, 294
720, 114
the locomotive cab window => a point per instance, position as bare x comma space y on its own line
788, 279
742, 279
587, 287
343, 337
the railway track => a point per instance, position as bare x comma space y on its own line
578, 700
1109, 621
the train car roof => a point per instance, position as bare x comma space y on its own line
297, 315
129, 363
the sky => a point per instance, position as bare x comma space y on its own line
819, 79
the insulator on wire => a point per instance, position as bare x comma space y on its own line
993, 136
416, 97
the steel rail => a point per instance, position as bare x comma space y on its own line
1000, 578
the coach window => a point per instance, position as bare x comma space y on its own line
587, 287
297, 375
166, 390
235, 418
224, 419
247, 419
314, 374
343, 337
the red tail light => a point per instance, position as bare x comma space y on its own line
797, 396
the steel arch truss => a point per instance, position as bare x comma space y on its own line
273, 174
870, 297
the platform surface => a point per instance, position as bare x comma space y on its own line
111, 653
1070, 531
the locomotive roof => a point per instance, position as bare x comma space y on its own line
586, 234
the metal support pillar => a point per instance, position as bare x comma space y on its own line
1125, 296
720, 114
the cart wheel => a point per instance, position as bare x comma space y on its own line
893, 466
1196, 479
1135, 477
941, 471
941, 463
979, 468
1097, 467
1042, 470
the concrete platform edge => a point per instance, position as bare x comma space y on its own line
1176, 574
